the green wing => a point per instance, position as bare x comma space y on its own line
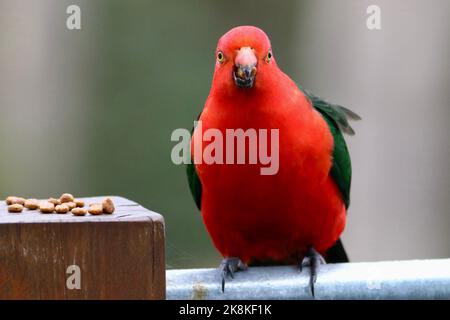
337, 118
194, 181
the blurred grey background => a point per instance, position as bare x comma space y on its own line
91, 111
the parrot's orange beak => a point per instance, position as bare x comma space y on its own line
244, 71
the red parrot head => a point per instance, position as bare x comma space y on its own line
244, 60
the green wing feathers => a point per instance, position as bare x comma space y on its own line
194, 184
337, 118
194, 181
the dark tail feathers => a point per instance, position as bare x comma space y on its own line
336, 254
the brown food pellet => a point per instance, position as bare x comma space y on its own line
31, 204
71, 205
15, 200
47, 207
9, 200
79, 203
108, 206
79, 212
66, 197
55, 202
95, 209
15, 208
62, 208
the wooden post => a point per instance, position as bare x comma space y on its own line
62, 256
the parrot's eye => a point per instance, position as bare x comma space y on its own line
220, 57
269, 56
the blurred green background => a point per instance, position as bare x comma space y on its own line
91, 112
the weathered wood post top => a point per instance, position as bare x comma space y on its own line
63, 256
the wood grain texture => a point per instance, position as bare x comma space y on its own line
121, 256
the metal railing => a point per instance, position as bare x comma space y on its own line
416, 279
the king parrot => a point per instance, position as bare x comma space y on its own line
298, 214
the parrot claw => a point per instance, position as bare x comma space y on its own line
228, 267
312, 259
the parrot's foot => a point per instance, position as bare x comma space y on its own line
228, 267
313, 259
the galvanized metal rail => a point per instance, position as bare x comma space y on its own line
416, 279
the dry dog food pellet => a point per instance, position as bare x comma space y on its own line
62, 208
15, 200
108, 206
79, 212
31, 204
55, 202
66, 197
47, 207
95, 209
16, 208
79, 203
71, 205
9, 200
